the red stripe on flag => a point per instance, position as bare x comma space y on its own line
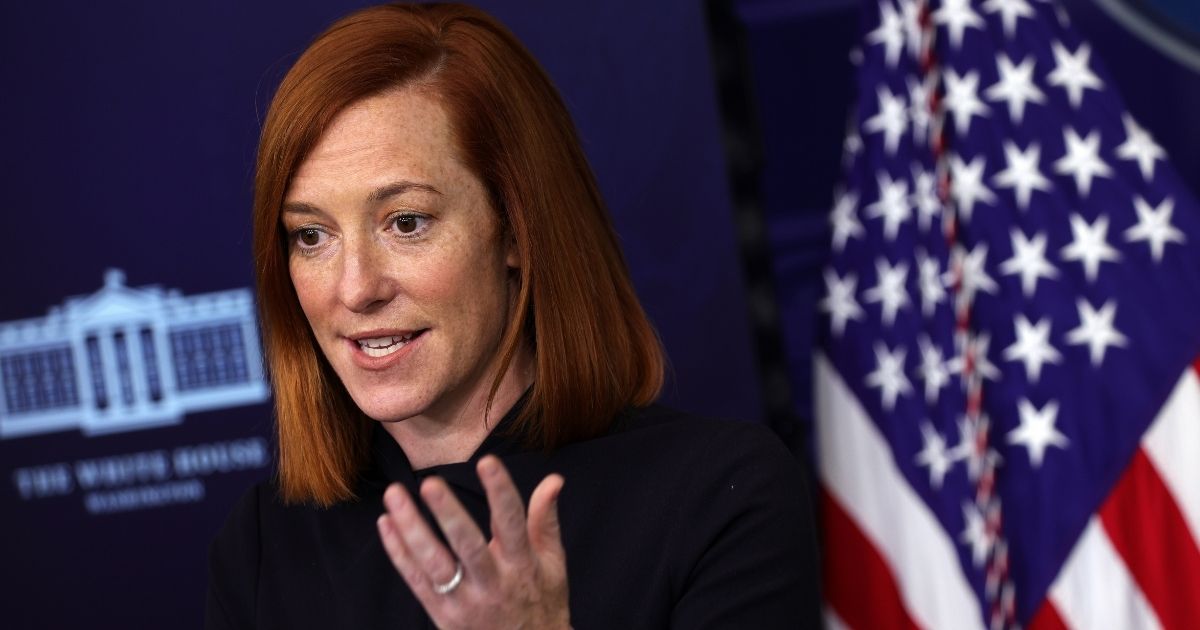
1149, 532
859, 585
1047, 618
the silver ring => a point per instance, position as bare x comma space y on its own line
444, 589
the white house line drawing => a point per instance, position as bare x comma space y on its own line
126, 358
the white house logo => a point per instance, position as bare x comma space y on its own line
128, 358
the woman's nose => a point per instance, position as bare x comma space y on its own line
364, 284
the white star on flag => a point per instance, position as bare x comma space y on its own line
844, 220
1089, 245
889, 375
933, 289
892, 205
1064, 20
934, 455
968, 447
1015, 86
1022, 174
925, 198
933, 370
1037, 431
975, 354
968, 186
1139, 147
975, 534
1028, 260
1096, 330
890, 33
910, 12
1154, 226
962, 99
891, 119
918, 110
969, 269
1032, 347
1082, 160
1009, 11
913, 31
957, 16
889, 292
1071, 72
851, 147
839, 300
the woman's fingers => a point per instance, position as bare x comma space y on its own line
544, 533
508, 511
461, 532
401, 558
517, 579
424, 549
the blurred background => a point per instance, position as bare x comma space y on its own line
133, 410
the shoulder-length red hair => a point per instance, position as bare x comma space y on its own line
595, 351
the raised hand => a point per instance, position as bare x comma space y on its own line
516, 580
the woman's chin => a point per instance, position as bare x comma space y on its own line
388, 408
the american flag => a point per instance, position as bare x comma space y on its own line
1008, 383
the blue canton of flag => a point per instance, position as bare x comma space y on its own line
1013, 296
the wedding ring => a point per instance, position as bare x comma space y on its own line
445, 589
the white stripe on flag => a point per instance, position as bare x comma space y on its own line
833, 621
1094, 589
1171, 443
857, 469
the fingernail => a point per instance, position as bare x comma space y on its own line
488, 466
394, 498
433, 491
384, 524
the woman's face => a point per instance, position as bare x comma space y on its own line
398, 261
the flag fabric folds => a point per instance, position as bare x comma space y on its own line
1008, 383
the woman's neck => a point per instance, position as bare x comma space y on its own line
455, 437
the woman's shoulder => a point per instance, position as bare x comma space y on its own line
675, 431
269, 549
249, 509
233, 563
240, 537
244, 516
734, 500
260, 509
692, 456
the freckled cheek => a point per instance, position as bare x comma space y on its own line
311, 289
442, 289
466, 294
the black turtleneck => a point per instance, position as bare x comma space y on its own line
669, 521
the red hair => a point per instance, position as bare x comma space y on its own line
595, 352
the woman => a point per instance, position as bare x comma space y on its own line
451, 329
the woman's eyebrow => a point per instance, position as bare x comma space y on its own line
300, 207
398, 188
382, 193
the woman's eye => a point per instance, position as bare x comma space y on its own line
309, 237
409, 223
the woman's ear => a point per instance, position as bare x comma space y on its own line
512, 253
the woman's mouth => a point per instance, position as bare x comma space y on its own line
376, 347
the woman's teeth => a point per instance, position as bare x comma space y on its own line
383, 346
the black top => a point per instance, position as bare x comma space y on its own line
668, 521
